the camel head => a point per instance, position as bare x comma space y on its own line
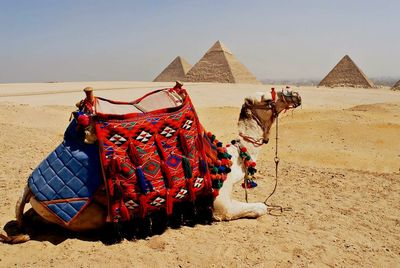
288, 100
259, 112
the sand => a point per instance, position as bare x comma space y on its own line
339, 172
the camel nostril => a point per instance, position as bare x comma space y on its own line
265, 141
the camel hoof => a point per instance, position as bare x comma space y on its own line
14, 239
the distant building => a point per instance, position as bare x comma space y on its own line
396, 86
176, 70
346, 74
219, 65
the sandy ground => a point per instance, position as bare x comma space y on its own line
339, 172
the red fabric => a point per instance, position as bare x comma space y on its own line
155, 142
273, 94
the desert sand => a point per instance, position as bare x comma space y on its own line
339, 172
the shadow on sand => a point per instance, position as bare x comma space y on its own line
41, 230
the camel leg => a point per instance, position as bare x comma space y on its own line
20, 206
225, 210
19, 212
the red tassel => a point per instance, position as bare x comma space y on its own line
110, 187
124, 211
207, 180
159, 148
170, 203
199, 143
143, 206
192, 194
134, 155
113, 168
167, 174
183, 143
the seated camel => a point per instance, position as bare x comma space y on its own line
185, 176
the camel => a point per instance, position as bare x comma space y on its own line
257, 115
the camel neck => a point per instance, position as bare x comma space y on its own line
251, 129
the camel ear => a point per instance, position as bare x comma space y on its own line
248, 101
263, 98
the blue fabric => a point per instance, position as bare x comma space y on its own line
72, 170
67, 210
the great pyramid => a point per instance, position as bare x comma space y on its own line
219, 65
346, 74
176, 70
396, 86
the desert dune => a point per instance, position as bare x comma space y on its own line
339, 173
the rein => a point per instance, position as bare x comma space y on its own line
255, 142
276, 160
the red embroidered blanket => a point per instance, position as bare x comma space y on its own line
152, 160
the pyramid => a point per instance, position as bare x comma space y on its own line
396, 86
346, 74
176, 70
219, 65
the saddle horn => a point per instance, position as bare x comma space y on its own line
89, 94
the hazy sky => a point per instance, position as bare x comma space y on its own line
81, 40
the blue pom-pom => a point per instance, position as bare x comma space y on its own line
253, 184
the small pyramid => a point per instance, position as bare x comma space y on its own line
396, 86
176, 70
219, 65
346, 74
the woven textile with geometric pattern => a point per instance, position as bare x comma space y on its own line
152, 160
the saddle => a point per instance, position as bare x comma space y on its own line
150, 154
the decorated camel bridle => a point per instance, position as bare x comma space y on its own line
290, 103
248, 180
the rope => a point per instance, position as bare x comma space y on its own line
245, 193
272, 208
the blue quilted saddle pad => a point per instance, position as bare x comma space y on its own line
65, 181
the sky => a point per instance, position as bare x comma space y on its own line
87, 40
